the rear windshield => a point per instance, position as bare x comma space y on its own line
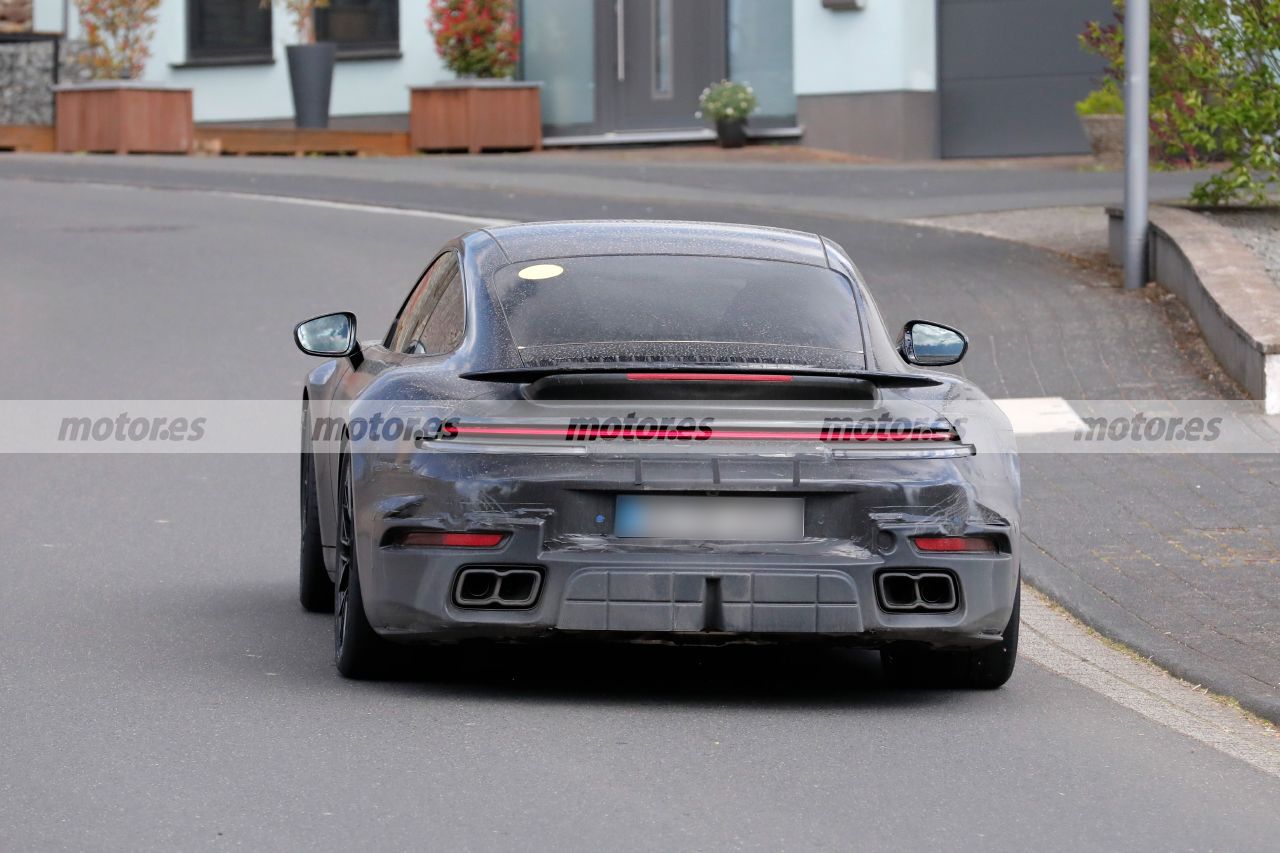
667, 298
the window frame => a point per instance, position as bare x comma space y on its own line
198, 55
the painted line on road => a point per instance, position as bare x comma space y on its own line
356, 207
1040, 415
348, 206
1065, 647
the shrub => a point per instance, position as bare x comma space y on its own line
1103, 101
1215, 90
117, 35
727, 101
479, 38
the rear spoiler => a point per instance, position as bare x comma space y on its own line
734, 374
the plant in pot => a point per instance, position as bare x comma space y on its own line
484, 109
310, 65
114, 45
728, 104
1101, 114
117, 36
476, 38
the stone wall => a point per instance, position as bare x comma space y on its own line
26, 78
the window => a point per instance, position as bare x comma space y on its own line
360, 25
678, 299
443, 332
228, 29
433, 318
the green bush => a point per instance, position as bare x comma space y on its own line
1103, 101
1215, 90
727, 101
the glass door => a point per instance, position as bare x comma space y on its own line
659, 56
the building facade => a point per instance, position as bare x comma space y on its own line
901, 79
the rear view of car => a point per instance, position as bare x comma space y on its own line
694, 434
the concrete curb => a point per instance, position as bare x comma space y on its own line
1226, 288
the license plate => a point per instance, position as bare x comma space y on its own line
705, 518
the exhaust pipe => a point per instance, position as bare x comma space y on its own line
917, 592
493, 588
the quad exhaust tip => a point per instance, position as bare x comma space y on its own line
917, 592
494, 588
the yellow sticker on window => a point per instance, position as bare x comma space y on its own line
538, 272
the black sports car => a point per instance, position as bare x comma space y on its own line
671, 431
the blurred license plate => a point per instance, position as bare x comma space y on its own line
709, 518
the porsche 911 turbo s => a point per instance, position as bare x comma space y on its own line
656, 431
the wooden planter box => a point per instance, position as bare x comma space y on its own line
124, 117
476, 115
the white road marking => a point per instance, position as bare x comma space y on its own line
474, 221
1066, 648
1040, 415
356, 207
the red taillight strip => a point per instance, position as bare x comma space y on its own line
708, 377
579, 433
430, 538
955, 544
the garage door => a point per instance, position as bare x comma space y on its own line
1010, 72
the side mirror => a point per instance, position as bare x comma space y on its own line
932, 344
329, 336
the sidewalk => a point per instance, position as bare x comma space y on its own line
1177, 557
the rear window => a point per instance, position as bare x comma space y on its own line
667, 298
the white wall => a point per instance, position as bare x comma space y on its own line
46, 15
251, 92
890, 46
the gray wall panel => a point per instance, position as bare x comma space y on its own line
1010, 72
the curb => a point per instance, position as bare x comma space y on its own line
1225, 287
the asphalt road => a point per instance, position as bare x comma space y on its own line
161, 689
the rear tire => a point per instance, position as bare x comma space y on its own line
315, 587
358, 650
982, 669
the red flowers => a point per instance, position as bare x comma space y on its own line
476, 37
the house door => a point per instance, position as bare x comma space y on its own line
658, 57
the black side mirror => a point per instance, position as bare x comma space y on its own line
932, 344
329, 336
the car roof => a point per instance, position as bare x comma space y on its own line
538, 240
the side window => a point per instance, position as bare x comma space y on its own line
443, 332
421, 304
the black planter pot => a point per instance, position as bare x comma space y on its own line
732, 133
311, 78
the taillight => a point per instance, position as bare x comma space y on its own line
708, 377
427, 538
955, 544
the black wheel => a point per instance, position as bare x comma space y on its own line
315, 587
984, 669
358, 650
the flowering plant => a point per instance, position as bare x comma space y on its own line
727, 101
117, 36
303, 13
478, 38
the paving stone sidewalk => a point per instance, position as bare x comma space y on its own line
1176, 556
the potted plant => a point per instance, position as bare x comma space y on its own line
479, 40
1101, 114
310, 65
115, 111
728, 104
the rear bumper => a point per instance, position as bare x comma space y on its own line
686, 595
860, 517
